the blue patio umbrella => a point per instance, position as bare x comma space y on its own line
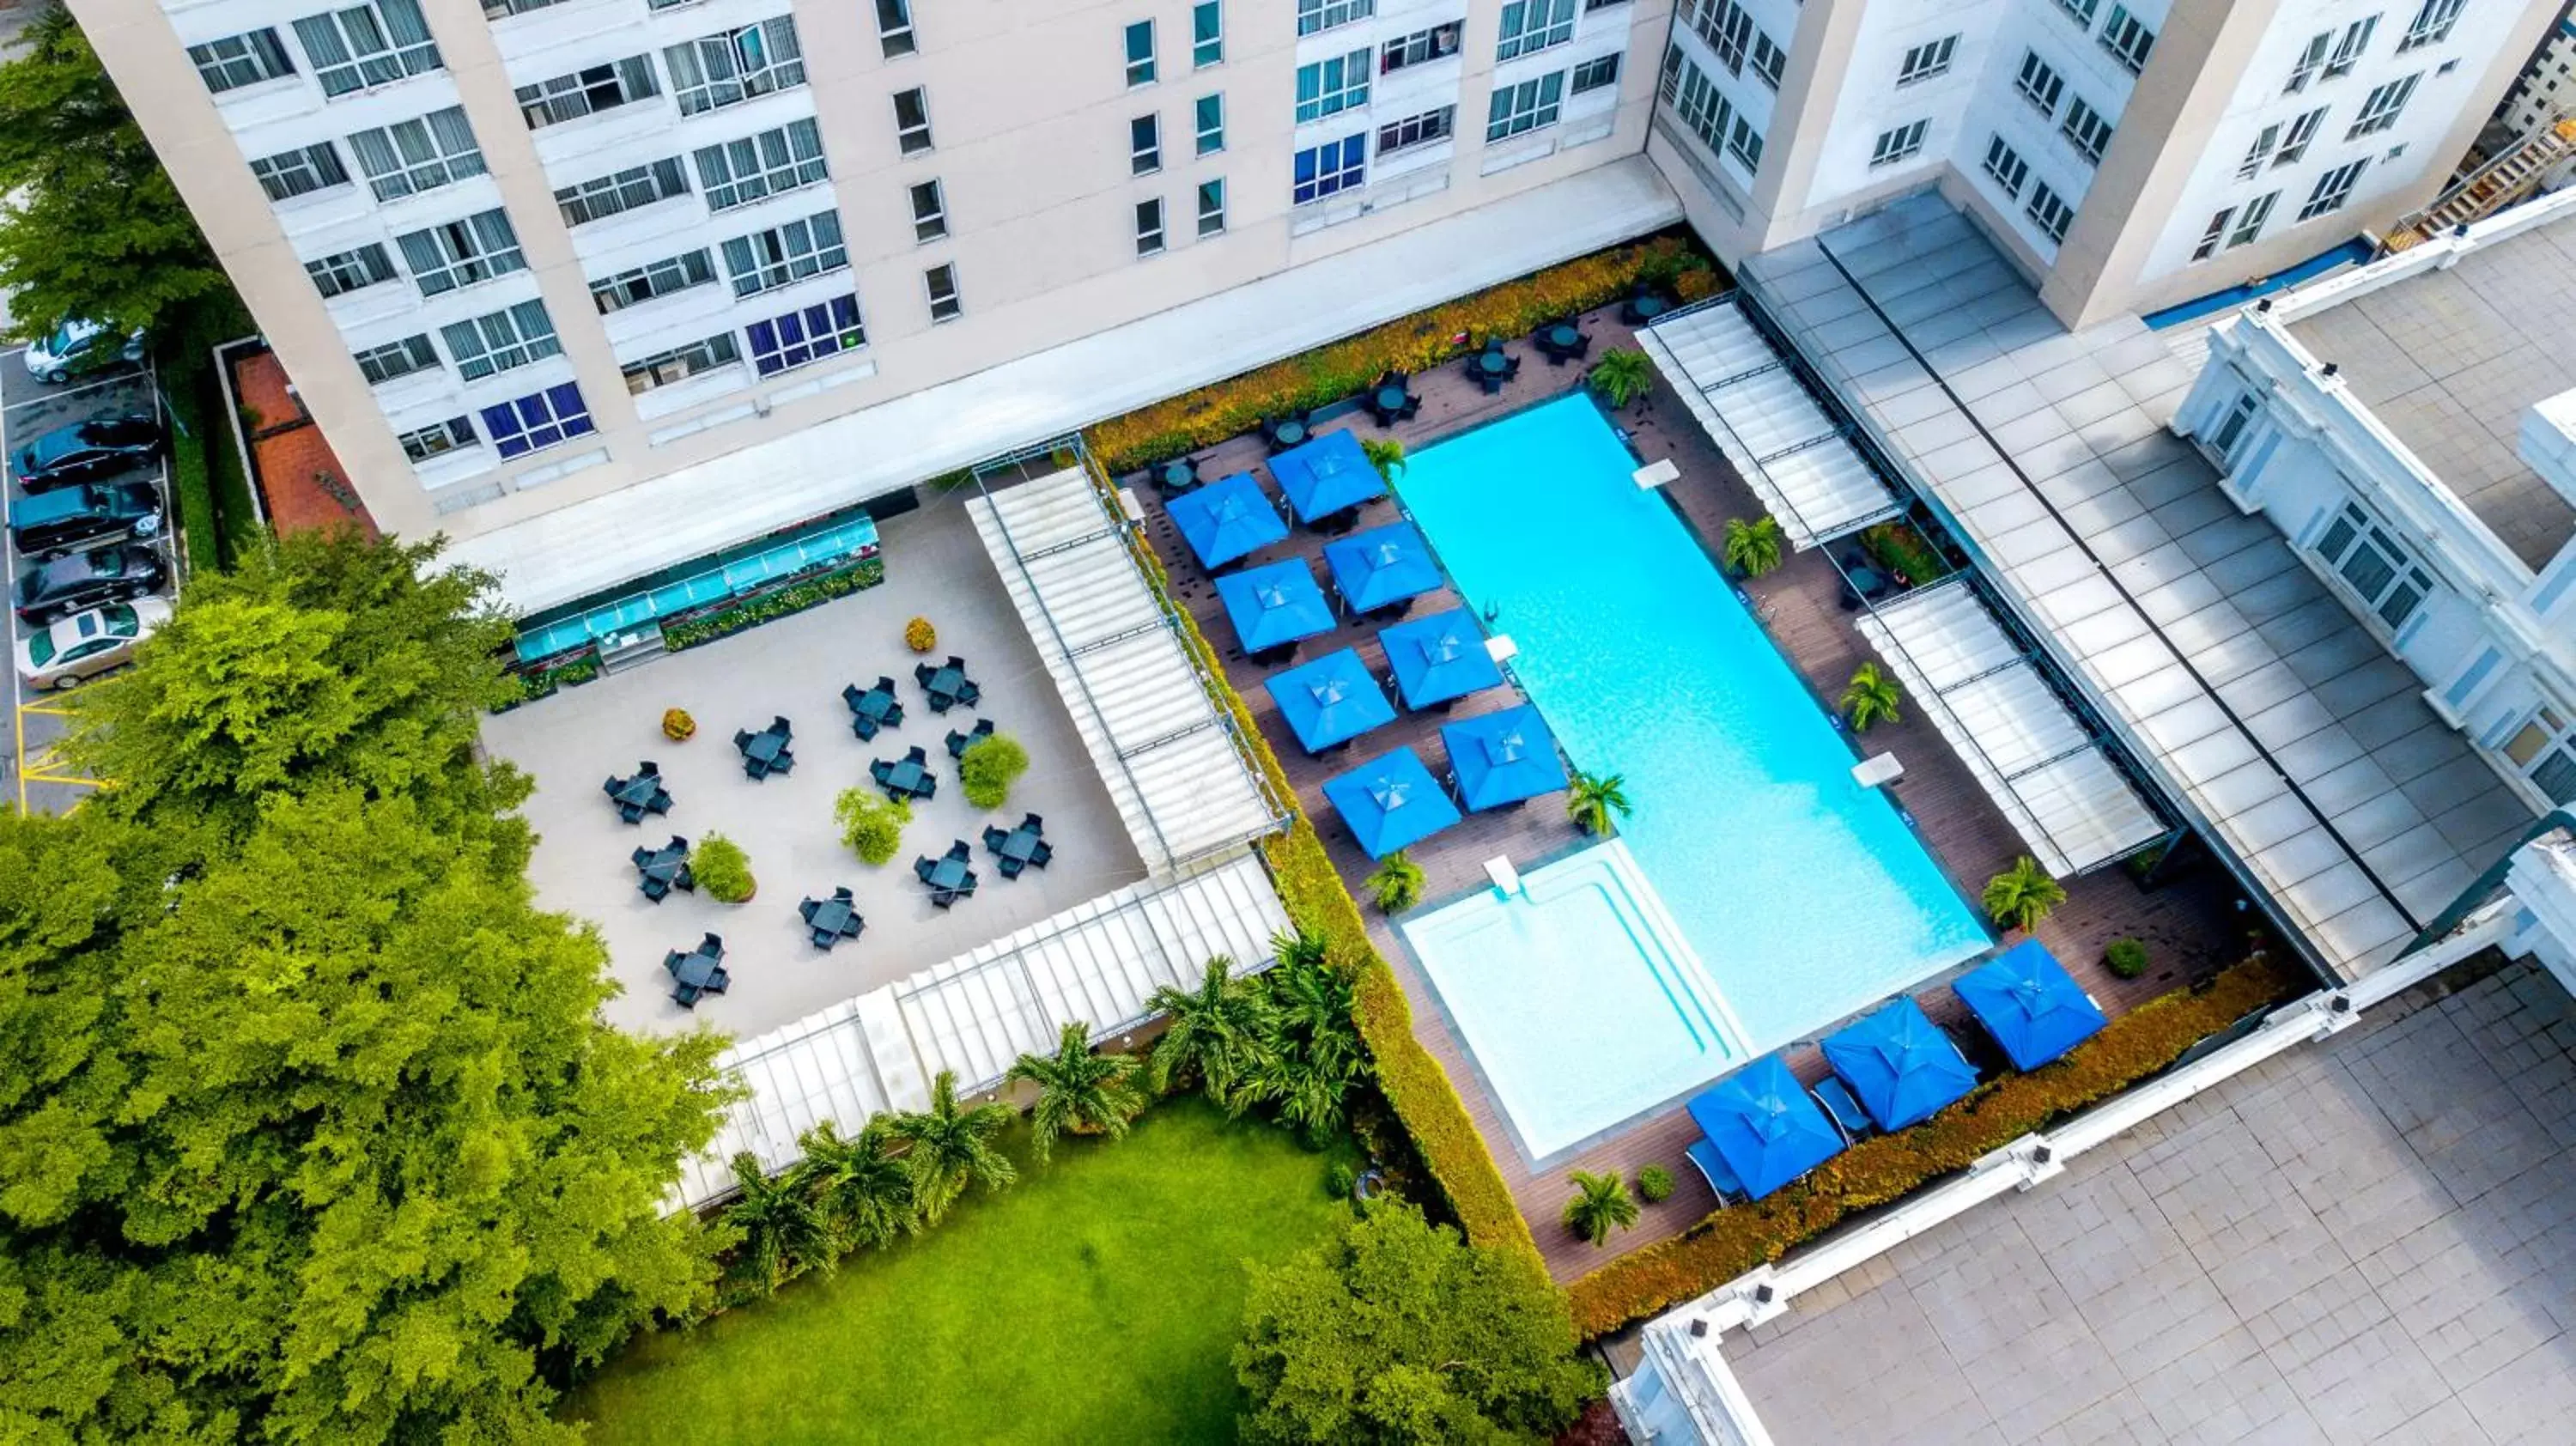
1381, 566
1390, 802
2030, 1004
1274, 605
1765, 1126
1326, 475
1228, 518
1438, 658
1503, 757
1330, 700
1900, 1064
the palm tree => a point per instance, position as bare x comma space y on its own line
1299, 946
780, 1225
1386, 454
1213, 1031
2021, 896
862, 1185
1078, 1090
952, 1147
1622, 375
1599, 1205
1752, 548
1591, 798
1312, 1051
1870, 698
1396, 883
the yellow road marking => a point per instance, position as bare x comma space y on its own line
49, 709
62, 778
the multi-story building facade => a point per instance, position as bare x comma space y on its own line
2546, 89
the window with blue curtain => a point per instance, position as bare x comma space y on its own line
1333, 166
806, 334
537, 421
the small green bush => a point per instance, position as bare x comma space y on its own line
2126, 958
722, 869
988, 769
1655, 1184
1396, 883
871, 824
1340, 1180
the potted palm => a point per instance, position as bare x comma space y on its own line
1752, 548
1396, 883
1386, 454
1600, 1204
1870, 698
1622, 376
1592, 798
2021, 896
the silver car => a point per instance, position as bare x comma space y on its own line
70, 652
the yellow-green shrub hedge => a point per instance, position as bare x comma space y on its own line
1887, 1167
1413, 343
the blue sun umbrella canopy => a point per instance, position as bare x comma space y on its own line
1438, 658
1330, 700
2030, 1004
1391, 802
1382, 566
1228, 518
1275, 605
1503, 757
1326, 475
1765, 1126
1903, 1068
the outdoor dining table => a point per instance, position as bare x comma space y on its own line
1492, 363
873, 709
949, 875
765, 746
1178, 475
832, 919
635, 797
905, 778
1562, 336
1019, 845
1288, 433
696, 969
660, 870
1390, 399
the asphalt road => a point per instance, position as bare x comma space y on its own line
27, 408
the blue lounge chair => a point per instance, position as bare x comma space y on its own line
1712, 1165
1842, 1109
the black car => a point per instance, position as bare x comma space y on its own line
67, 585
84, 516
87, 451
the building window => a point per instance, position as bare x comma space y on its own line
501, 340
2347, 51
2050, 211
239, 60
2370, 562
1595, 73
941, 284
1212, 206
2231, 429
912, 120
1333, 166
2256, 154
1901, 144
2249, 223
586, 92
2040, 84
929, 211
1330, 86
1696, 100
1145, 145
715, 71
461, 253
2312, 58
295, 173
373, 44
2303, 129
346, 271
2546, 753
2127, 39
1149, 227
809, 333
604, 196
2080, 11
381, 364
2431, 26
409, 157
1727, 29
1416, 130
1421, 47
2007, 167
1207, 34
1768, 59
1530, 26
1922, 62
1528, 106
1140, 54
454, 434
1744, 142
894, 28
767, 260
2086, 130
659, 278
1315, 15
2380, 109
2333, 189
537, 421
2210, 236
738, 173
680, 363
1209, 115
504, 9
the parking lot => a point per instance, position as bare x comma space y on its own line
29, 408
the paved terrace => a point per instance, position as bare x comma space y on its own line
2371, 1240
2184, 925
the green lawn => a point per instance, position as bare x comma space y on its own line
1097, 1300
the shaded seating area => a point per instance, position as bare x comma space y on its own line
947, 684
765, 752
1275, 605
873, 708
1561, 342
1382, 569
832, 920
1899, 1065
1281, 433
1760, 1131
2029, 1004
1024, 847
958, 742
640, 794
1503, 758
1330, 701
1493, 366
698, 972
1644, 306
1391, 802
1862, 581
947, 877
1228, 518
1391, 399
1439, 659
1327, 480
661, 870
1177, 476
905, 778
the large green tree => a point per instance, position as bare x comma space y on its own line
1399, 1332
91, 225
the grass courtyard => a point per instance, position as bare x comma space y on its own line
1097, 1300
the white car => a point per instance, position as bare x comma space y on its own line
69, 652
76, 346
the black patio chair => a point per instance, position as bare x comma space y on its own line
742, 739
660, 802
685, 996
970, 693
916, 755
642, 856
1009, 866
958, 742
647, 768
711, 945
654, 889
614, 786
1033, 822
672, 961
718, 981
922, 673
923, 867
785, 762
1038, 856
958, 850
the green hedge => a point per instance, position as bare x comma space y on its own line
217, 514
794, 598
192, 492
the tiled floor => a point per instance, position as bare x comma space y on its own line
300, 480
2368, 1241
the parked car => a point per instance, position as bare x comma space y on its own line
84, 645
66, 585
88, 451
84, 516
77, 346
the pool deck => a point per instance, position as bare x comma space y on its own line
2186, 924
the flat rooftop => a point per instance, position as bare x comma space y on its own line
2451, 360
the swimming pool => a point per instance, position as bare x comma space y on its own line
1800, 895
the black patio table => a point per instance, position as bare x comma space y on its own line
1289, 433
949, 686
950, 875
958, 742
663, 869
832, 919
1020, 844
1390, 399
875, 708
1178, 475
1562, 336
1492, 363
696, 969
765, 746
635, 797
905, 778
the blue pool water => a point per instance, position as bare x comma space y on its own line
1802, 895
